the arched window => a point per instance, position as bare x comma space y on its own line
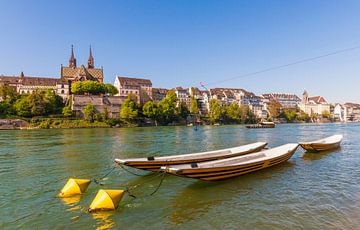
62, 86
62, 91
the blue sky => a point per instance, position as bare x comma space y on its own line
183, 42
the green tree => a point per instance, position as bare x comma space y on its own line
215, 111
105, 114
168, 106
182, 111
129, 111
8, 93
23, 107
274, 108
194, 106
152, 111
67, 112
91, 87
110, 89
247, 115
8, 97
233, 113
326, 114
290, 115
89, 112
54, 102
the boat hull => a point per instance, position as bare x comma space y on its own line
152, 165
328, 143
226, 172
319, 147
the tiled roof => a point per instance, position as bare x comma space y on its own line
159, 90
9, 80
220, 91
134, 81
351, 105
281, 96
27, 80
92, 73
317, 100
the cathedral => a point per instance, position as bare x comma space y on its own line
72, 73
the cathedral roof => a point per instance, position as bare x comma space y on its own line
72, 73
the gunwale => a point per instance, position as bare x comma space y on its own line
157, 162
208, 170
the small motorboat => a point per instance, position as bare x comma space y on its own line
328, 143
155, 163
234, 166
261, 125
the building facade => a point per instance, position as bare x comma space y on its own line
314, 105
141, 88
111, 103
28, 84
73, 73
289, 101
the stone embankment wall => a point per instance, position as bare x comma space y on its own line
8, 124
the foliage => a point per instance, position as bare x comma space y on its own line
274, 108
152, 111
290, 115
326, 114
182, 111
194, 106
91, 87
38, 103
233, 113
168, 106
67, 112
129, 111
105, 114
110, 89
89, 112
216, 111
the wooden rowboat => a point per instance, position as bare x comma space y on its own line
235, 166
155, 163
322, 144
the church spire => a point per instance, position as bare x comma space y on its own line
72, 61
90, 60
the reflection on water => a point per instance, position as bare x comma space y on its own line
199, 197
103, 219
320, 190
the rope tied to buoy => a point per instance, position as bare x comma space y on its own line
98, 181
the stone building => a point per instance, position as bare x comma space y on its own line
286, 100
111, 103
158, 94
73, 73
241, 97
28, 84
141, 88
314, 105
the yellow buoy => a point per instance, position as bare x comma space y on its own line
74, 187
106, 200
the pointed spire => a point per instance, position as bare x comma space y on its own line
72, 61
90, 60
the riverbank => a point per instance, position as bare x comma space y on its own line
61, 123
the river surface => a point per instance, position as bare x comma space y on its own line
310, 191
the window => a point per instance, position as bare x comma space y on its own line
62, 91
62, 86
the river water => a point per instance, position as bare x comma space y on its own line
312, 191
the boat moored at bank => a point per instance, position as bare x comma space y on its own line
155, 163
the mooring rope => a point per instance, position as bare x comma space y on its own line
98, 181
